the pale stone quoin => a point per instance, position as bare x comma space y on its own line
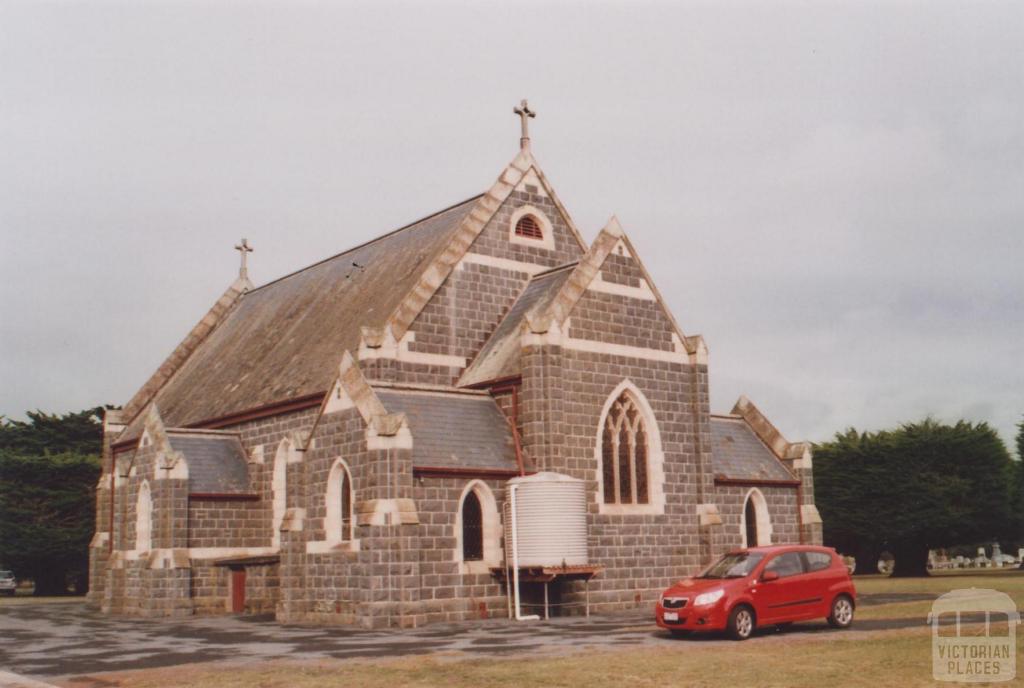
344, 435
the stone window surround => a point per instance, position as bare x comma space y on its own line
144, 519
764, 521
339, 477
655, 456
547, 241
492, 530
278, 489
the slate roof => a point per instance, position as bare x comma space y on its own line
736, 452
283, 341
216, 462
453, 430
499, 357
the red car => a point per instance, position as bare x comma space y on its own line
761, 586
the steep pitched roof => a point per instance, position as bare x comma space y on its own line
738, 453
282, 341
499, 358
463, 431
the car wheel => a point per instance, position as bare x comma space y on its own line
842, 612
741, 623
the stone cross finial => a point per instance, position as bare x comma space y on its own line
524, 113
244, 248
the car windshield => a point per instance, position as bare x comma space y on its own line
6, 574
736, 565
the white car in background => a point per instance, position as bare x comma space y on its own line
7, 583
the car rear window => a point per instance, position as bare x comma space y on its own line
818, 561
6, 574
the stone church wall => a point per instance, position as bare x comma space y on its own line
447, 593
565, 390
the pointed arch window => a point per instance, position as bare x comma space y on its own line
624, 454
472, 528
339, 521
144, 519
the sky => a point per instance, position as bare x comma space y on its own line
832, 194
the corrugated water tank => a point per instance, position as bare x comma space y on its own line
551, 520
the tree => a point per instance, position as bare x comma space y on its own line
921, 486
49, 466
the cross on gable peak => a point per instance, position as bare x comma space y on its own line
525, 114
244, 249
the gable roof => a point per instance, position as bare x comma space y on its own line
499, 357
282, 341
460, 431
737, 453
561, 304
216, 462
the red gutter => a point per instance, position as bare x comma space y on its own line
297, 404
756, 482
223, 497
800, 511
462, 472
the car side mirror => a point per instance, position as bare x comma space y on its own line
769, 576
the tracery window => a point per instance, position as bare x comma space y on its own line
624, 454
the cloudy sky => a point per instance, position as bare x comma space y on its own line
831, 193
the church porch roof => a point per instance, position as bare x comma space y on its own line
453, 430
216, 461
738, 454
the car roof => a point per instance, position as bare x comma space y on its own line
774, 549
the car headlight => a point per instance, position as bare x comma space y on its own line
706, 598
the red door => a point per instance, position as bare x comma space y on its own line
238, 590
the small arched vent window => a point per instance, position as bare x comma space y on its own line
472, 528
624, 453
529, 227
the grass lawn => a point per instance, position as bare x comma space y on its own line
894, 658
793, 659
1010, 581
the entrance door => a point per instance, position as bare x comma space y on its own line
750, 519
238, 590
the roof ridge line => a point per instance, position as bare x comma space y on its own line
368, 242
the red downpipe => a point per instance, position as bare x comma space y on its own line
514, 421
800, 510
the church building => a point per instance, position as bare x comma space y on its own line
339, 445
